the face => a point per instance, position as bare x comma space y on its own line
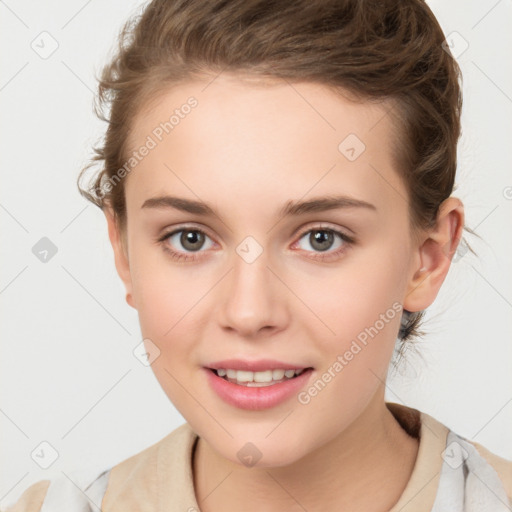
319, 287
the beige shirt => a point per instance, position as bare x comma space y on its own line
160, 477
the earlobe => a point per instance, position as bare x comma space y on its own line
434, 256
120, 253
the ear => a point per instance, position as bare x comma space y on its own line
434, 256
120, 247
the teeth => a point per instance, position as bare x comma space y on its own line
257, 379
277, 374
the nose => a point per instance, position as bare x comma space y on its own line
253, 299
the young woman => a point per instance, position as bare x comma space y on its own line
276, 178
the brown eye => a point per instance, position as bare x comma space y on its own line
183, 241
192, 240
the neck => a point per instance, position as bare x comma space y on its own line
365, 468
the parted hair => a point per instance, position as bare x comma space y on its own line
369, 50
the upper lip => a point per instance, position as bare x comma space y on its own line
254, 366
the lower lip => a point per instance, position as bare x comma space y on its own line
256, 398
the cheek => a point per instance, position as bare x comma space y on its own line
357, 310
362, 310
353, 296
165, 296
168, 300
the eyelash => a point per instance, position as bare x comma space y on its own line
321, 256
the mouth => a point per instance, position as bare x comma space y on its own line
257, 379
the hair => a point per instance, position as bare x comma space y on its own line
367, 49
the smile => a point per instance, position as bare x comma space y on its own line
257, 390
257, 379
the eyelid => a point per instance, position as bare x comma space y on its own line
346, 233
298, 234
184, 227
299, 231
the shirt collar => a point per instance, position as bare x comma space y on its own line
160, 477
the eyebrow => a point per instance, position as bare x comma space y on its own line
291, 208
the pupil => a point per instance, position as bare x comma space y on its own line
192, 237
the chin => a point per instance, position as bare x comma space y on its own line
262, 454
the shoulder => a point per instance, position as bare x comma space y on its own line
503, 467
159, 474
125, 486
473, 475
78, 490
466, 474
470, 450
32, 498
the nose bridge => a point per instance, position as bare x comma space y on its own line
251, 300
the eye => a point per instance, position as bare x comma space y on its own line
323, 240
190, 239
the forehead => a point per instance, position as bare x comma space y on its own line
264, 139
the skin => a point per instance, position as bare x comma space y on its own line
246, 150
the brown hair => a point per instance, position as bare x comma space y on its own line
372, 50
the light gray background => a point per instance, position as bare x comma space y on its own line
69, 376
